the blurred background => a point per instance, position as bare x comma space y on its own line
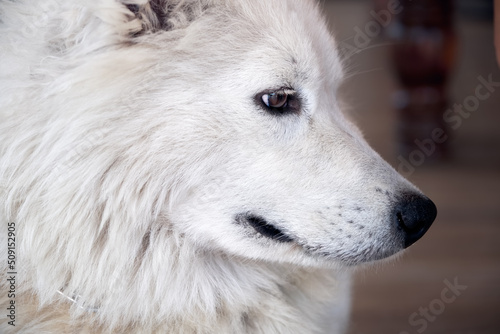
424, 86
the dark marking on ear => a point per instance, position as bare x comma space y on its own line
377, 189
166, 15
161, 8
133, 8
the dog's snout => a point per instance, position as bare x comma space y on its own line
414, 215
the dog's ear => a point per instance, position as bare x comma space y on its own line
164, 15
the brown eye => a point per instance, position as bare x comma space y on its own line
280, 102
275, 99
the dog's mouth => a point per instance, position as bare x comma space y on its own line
263, 227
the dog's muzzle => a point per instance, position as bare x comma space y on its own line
413, 215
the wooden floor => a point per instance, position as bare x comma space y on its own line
462, 248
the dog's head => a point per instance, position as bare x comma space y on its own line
274, 170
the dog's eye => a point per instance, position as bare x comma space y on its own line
275, 99
280, 101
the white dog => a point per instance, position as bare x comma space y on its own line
181, 166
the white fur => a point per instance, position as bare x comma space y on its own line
127, 149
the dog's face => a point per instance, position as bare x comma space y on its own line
283, 175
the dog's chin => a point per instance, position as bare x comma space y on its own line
378, 261
375, 260
353, 257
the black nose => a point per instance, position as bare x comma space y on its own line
414, 215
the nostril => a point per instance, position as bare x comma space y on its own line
414, 215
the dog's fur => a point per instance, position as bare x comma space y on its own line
136, 153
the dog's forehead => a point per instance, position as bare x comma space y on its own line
290, 36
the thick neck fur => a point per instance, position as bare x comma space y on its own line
171, 286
